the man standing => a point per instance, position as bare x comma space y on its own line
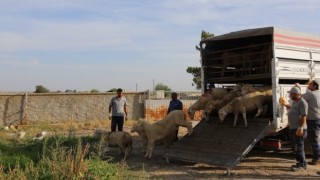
297, 117
313, 119
118, 111
175, 103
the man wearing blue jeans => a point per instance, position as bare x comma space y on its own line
297, 116
118, 111
313, 119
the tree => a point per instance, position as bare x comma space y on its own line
94, 90
113, 90
41, 89
205, 35
161, 86
196, 71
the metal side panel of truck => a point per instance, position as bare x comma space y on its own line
263, 57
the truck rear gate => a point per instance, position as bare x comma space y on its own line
219, 144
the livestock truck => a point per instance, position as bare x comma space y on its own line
266, 56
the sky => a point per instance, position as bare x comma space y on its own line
131, 44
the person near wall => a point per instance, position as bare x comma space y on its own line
175, 104
297, 117
313, 119
118, 111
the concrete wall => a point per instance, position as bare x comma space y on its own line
157, 109
59, 107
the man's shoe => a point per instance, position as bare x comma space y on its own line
298, 168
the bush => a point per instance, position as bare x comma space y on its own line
57, 158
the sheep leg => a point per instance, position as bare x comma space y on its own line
122, 148
260, 110
150, 149
190, 129
235, 120
244, 115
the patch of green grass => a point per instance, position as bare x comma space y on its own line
56, 157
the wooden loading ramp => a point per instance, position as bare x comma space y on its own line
217, 143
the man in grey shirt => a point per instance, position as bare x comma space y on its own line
118, 111
313, 119
297, 116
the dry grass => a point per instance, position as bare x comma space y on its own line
78, 128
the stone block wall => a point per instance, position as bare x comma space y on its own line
60, 107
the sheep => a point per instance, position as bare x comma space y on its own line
247, 88
162, 128
200, 104
120, 139
167, 140
250, 102
217, 104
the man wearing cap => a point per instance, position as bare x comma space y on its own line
118, 111
297, 116
313, 119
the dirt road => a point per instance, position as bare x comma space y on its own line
258, 164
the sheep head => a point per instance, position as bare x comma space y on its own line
222, 114
236, 89
137, 127
210, 107
191, 113
247, 88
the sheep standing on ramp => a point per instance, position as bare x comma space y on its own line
162, 128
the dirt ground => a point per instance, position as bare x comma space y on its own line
258, 164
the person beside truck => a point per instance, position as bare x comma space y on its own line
313, 119
297, 116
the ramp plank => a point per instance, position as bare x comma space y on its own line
219, 143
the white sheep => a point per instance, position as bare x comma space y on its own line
167, 140
250, 102
248, 88
200, 104
217, 104
120, 139
162, 128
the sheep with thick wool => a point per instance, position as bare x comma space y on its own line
249, 102
167, 140
120, 139
248, 88
201, 103
219, 103
162, 128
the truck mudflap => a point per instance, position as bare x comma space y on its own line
219, 144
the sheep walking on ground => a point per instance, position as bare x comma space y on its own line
167, 140
250, 102
120, 139
161, 129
